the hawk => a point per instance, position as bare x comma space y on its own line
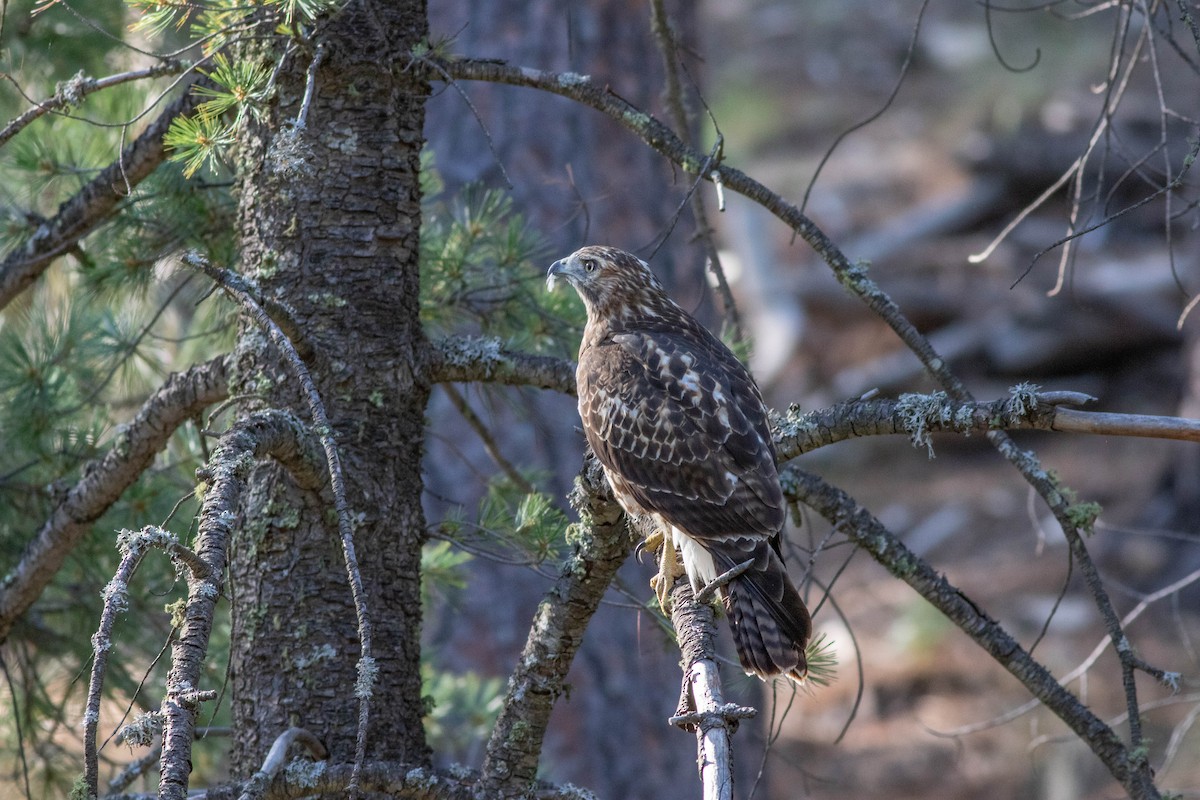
681, 430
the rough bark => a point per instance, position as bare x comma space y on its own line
335, 238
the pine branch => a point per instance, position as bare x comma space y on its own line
183, 396
602, 543
91, 205
465, 359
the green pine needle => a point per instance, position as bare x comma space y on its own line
822, 661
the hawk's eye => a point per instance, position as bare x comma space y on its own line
589, 264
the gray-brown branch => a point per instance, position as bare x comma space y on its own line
182, 397
601, 544
463, 359
855, 279
272, 434
919, 415
857, 524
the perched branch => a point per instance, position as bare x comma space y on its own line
601, 543
855, 279
265, 434
868, 533
184, 395
91, 205
702, 707
463, 359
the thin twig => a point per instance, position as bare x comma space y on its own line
71, 92
240, 291
681, 117
488, 441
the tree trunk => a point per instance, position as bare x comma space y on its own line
335, 238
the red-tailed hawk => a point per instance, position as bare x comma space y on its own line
681, 430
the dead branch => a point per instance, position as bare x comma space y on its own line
71, 92
856, 523
265, 434
919, 415
133, 546
277, 759
243, 294
702, 707
183, 396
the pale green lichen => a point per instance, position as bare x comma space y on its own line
142, 730
305, 773
368, 672
917, 413
1023, 399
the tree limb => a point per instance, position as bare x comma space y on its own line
918, 415
91, 205
463, 359
855, 278
602, 542
857, 524
275, 434
183, 396
702, 707
71, 92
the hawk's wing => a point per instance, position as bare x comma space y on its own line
679, 419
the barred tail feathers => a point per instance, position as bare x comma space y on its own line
771, 625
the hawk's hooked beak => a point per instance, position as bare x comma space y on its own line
558, 268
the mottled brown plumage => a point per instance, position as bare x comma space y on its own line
681, 429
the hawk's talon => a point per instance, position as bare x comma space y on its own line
669, 570
650, 543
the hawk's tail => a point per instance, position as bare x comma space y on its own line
771, 625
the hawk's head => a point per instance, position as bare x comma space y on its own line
607, 279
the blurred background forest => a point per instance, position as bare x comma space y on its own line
972, 116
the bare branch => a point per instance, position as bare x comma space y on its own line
602, 542
853, 521
91, 205
664, 34
702, 707
133, 545
489, 442
275, 434
277, 759
919, 415
184, 395
71, 92
243, 293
